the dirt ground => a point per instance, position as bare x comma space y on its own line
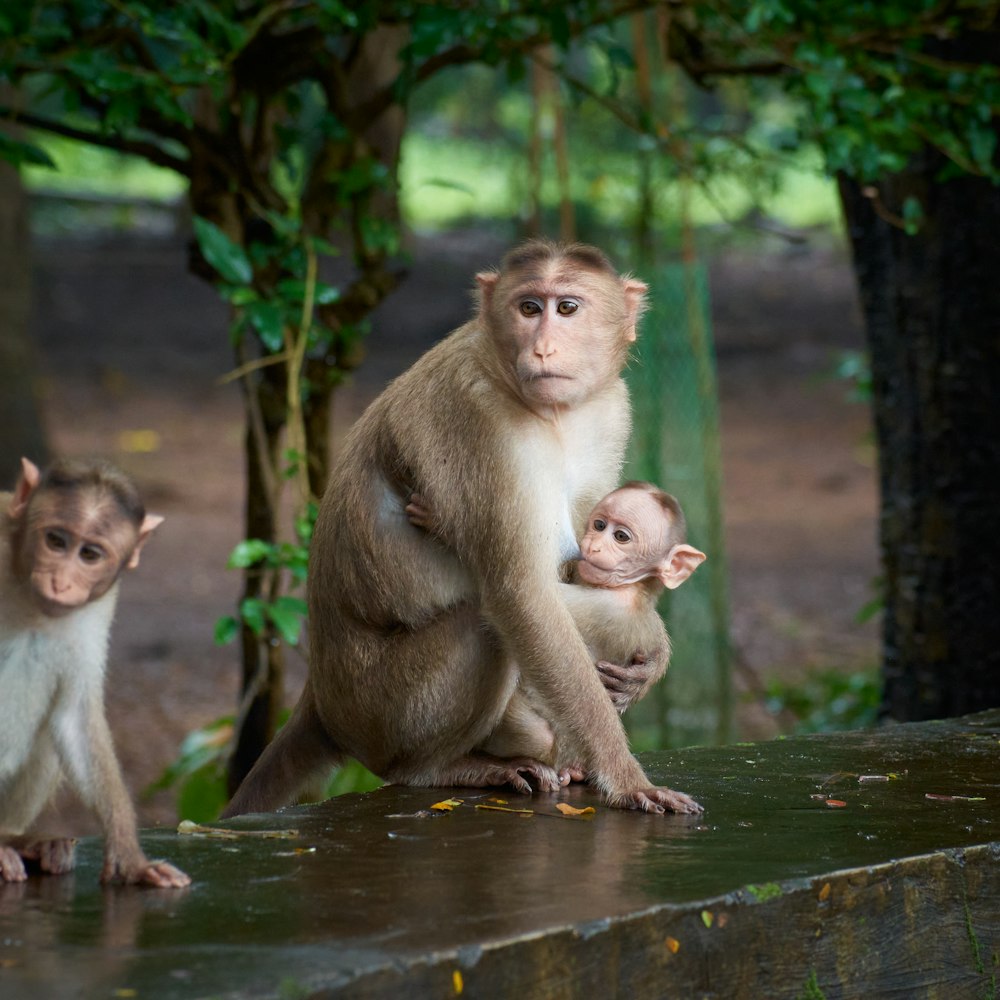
132, 348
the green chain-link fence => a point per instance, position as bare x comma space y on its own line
675, 444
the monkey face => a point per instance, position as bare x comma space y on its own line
565, 331
75, 560
628, 536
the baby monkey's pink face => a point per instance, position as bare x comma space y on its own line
77, 553
629, 536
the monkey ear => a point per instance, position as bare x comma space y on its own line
487, 281
149, 524
681, 562
27, 483
635, 303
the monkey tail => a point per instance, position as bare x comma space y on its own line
301, 750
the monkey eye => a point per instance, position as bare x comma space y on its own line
600, 524
530, 307
91, 553
567, 307
56, 541
621, 535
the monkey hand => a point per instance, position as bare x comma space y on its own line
158, 874
656, 800
419, 513
630, 683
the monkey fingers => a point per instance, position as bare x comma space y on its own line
626, 684
11, 865
163, 875
56, 856
545, 778
158, 874
572, 773
482, 770
657, 800
419, 513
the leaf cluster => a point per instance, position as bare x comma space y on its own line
877, 83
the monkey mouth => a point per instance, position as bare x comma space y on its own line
52, 608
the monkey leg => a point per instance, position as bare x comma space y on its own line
416, 706
522, 732
300, 750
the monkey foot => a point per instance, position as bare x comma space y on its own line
528, 775
55, 857
11, 865
525, 774
571, 773
657, 800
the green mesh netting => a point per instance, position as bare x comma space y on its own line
675, 444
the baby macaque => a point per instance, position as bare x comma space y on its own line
65, 538
633, 547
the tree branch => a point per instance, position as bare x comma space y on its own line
464, 53
149, 150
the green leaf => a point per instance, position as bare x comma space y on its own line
254, 613
19, 153
248, 553
228, 259
203, 795
227, 629
267, 319
288, 613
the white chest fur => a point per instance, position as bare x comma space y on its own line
46, 664
568, 464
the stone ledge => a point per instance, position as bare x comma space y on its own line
773, 893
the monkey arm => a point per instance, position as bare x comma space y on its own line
87, 753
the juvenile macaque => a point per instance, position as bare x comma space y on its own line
512, 428
65, 538
634, 546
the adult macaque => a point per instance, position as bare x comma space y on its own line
65, 538
634, 547
512, 428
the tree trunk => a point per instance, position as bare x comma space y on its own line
262, 686
20, 423
932, 310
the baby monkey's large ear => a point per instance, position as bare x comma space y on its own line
27, 483
681, 562
149, 524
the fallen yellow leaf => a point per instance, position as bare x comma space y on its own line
707, 918
673, 945
457, 982
824, 893
567, 810
447, 805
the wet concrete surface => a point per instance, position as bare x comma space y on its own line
884, 844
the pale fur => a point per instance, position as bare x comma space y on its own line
418, 643
53, 725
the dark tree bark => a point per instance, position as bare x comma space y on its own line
932, 310
21, 431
